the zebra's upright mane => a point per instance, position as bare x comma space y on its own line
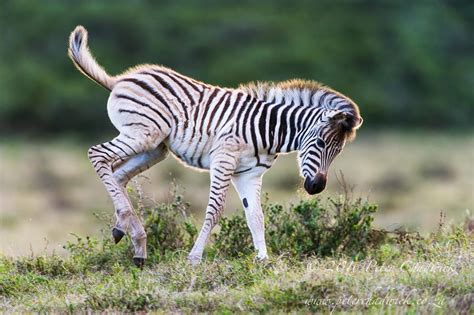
299, 92
295, 91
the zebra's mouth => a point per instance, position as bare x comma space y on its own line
316, 184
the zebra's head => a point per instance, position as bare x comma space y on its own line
323, 143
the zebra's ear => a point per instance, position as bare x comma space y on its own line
359, 120
347, 121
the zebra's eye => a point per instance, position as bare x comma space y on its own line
320, 143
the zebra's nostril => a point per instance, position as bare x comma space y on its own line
321, 178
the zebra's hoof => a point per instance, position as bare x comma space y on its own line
261, 258
194, 260
139, 262
117, 234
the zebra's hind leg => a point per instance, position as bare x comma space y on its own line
139, 163
125, 171
249, 185
103, 157
222, 168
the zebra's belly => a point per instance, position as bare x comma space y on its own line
194, 155
245, 164
249, 161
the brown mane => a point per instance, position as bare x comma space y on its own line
293, 84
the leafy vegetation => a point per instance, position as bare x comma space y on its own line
403, 63
325, 257
307, 228
302, 230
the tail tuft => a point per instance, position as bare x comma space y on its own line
82, 58
79, 33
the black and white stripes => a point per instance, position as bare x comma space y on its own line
234, 133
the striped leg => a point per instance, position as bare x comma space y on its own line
222, 168
103, 157
125, 171
248, 186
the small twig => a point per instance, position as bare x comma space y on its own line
140, 194
441, 222
348, 189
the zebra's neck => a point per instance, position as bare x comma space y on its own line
296, 121
291, 111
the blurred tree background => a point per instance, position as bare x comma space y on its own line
405, 63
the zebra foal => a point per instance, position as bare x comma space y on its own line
236, 134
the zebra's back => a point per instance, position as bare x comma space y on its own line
161, 105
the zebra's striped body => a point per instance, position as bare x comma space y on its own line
195, 118
234, 133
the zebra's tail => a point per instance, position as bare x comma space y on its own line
82, 58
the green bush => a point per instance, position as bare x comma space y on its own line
168, 228
310, 227
167, 232
52, 266
93, 254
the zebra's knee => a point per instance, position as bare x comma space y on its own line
94, 154
212, 217
160, 153
121, 177
124, 213
90, 153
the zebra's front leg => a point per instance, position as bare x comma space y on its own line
249, 185
222, 168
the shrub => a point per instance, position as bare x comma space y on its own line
167, 232
91, 253
309, 227
168, 227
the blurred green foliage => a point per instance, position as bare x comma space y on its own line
405, 63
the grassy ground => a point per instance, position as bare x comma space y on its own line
436, 277
362, 268
243, 286
412, 176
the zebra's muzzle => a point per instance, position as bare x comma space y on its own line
315, 185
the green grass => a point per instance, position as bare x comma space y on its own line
283, 284
361, 268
